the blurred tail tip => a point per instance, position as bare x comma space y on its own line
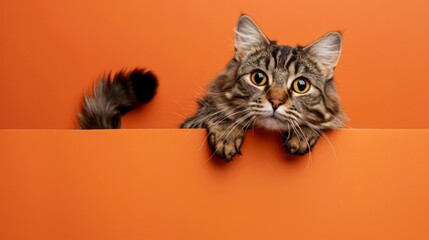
144, 84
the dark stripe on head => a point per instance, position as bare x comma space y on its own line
285, 51
297, 66
291, 60
274, 55
267, 63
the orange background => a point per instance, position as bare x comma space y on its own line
51, 51
364, 184
162, 184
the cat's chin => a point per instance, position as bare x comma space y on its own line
272, 123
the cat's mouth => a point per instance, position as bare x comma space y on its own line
272, 122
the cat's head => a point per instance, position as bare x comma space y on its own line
281, 85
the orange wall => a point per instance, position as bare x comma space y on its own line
51, 51
365, 184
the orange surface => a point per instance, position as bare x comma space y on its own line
370, 184
51, 51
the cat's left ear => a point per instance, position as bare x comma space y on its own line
248, 37
326, 50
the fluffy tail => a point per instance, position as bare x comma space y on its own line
113, 97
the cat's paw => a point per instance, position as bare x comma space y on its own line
302, 143
225, 143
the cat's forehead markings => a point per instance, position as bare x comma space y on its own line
271, 63
274, 58
279, 55
286, 53
298, 69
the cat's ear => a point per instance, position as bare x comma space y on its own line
248, 36
326, 50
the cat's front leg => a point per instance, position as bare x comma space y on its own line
300, 140
225, 139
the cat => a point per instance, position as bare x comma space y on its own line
289, 90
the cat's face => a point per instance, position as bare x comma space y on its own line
281, 86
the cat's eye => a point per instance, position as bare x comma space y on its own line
259, 78
301, 85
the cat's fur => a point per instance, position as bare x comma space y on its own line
235, 103
112, 97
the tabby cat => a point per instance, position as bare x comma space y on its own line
286, 89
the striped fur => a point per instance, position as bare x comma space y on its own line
112, 97
234, 104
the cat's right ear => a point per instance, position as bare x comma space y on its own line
326, 51
248, 36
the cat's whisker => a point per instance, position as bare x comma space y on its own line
295, 127
203, 89
310, 157
326, 139
211, 156
228, 113
206, 91
253, 124
203, 120
293, 118
291, 129
300, 136
234, 125
341, 121
288, 132
188, 108
217, 123
295, 130
180, 115
323, 135
243, 128
246, 126
232, 128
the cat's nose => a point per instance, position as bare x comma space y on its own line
276, 103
